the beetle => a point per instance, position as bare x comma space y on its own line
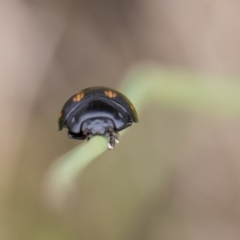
97, 111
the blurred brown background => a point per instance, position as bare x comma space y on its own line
181, 178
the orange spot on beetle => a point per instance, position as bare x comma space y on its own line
110, 94
78, 97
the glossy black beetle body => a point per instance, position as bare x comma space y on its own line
97, 111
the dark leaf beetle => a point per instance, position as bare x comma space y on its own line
97, 111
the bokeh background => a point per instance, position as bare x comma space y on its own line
175, 175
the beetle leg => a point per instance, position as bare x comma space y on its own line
113, 138
75, 136
117, 137
89, 137
87, 134
70, 135
111, 141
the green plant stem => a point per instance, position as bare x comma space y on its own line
145, 86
